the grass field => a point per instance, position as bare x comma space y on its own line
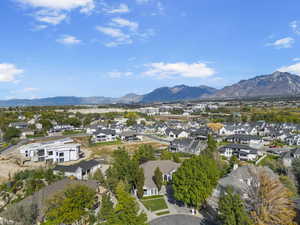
155, 204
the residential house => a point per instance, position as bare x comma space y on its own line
176, 133
19, 125
240, 179
243, 152
41, 198
26, 132
167, 167
130, 136
251, 140
187, 145
104, 135
57, 151
82, 170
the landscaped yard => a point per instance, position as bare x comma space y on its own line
155, 204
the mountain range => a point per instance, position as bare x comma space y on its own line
275, 84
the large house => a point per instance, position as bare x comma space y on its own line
41, 198
104, 135
57, 151
82, 170
251, 140
176, 133
187, 145
240, 179
243, 152
167, 167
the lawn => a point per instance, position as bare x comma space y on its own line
155, 204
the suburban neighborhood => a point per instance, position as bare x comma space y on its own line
156, 159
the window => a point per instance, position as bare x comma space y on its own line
61, 154
61, 160
50, 153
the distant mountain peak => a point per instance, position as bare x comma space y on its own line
276, 84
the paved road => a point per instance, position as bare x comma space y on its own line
180, 220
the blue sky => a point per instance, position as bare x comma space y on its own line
115, 47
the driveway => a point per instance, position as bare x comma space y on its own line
180, 220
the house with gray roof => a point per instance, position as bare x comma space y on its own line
176, 133
241, 180
82, 170
167, 167
187, 145
243, 152
104, 135
251, 140
40, 199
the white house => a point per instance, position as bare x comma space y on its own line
57, 151
104, 135
176, 133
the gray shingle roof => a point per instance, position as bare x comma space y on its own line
165, 166
85, 165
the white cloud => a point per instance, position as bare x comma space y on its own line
283, 43
55, 11
296, 59
125, 23
166, 70
9, 72
118, 74
119, 37
68, 40
50, 16
83, 5
295, 68
295, 25
122, 8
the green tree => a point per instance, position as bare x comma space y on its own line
158, 178
166, 155
70, 206
195, 180
106, 210
98, 175
46, 123
232, 210
123, 169
296, 169
144, 153
126, 211
11, 133
140, 181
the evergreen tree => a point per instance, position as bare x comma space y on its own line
140, 181
106, 210
158, 178
232, 210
